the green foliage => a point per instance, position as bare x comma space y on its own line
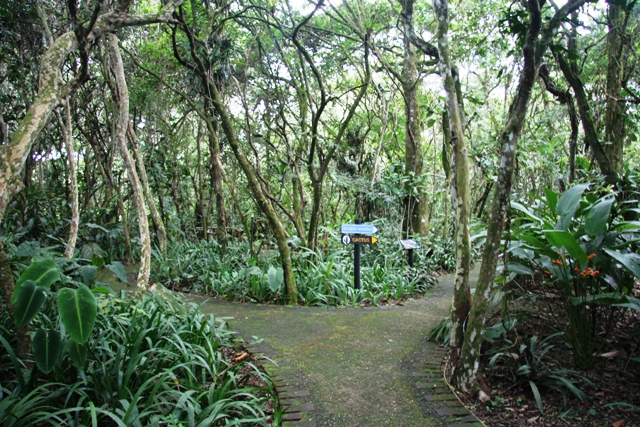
153, 361
47, 344
41, 273
78, 310
321, 279
530, 366
585, 247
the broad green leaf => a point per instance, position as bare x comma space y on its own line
608, 298
88, 273
78, 310
568, 205
118, 269
29, 300
598, 217
630, 302
527, 212
631, 261
42, 273
275, 276
46, 349
562, 238
539, 246
78, 354
552, 199
520, 269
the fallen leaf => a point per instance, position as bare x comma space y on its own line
619, 423
533, 420
612, 354
239, 358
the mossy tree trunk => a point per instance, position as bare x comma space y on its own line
415, 207
462, 296
467, 368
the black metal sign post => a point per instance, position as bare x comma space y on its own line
356, 264
410, 245
356, 240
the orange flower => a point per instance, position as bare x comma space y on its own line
592, 256
548, 272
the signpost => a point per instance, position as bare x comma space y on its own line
410, 245
356, 240
358, 229
359, 240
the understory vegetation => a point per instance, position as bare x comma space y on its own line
143, 361
562, 345
218, 147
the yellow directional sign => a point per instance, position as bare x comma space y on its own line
359, 240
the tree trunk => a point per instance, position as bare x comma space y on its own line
416, 207
615, 111
263, 203
122, 125
52, 90
142, 171
467, 368
67, 133
462, 296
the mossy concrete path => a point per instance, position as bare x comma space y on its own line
362, 367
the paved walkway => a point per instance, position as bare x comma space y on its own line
354, 367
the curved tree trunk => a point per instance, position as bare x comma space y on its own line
142, 171
263, 202
73, 178
467, 368
122, 125
52, 90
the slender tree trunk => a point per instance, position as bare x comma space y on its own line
416, 207
615, 110
263, 203
52, 90
125, 224
462, 296
67, 132
467, 369
142, 173
122, 125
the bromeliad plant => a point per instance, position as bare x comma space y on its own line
585, 248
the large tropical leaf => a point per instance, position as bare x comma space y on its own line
46, 349
78, 354
598, 217
118, 269
568, 205
78, 310
42, 273
631, 261
275, 276
29, 300
562, 238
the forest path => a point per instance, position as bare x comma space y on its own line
348, 367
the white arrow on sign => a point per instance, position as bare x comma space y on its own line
358, 229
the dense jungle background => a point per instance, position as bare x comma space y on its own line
216, 147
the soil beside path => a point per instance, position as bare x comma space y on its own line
361, 367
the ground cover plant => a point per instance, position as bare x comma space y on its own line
148, 360
325, 276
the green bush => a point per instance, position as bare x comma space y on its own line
583, 246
